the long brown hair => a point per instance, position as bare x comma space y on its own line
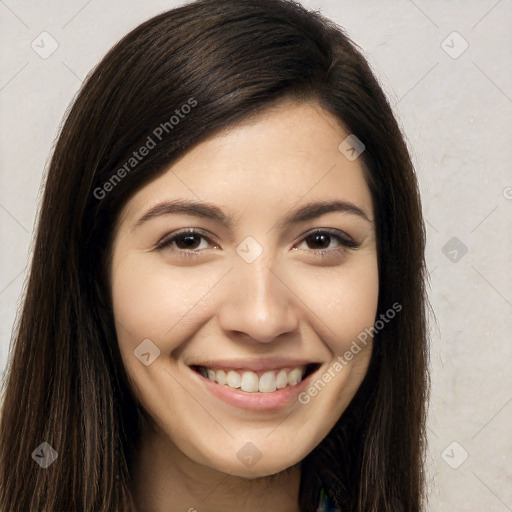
66, 384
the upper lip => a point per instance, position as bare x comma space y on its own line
258, 364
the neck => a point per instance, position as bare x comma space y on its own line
166, 480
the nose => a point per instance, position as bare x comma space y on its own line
257, 301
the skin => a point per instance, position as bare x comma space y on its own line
291, 301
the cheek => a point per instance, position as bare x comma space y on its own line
149, 302
346, 301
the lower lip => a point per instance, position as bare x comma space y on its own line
274, 401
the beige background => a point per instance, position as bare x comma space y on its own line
455, 107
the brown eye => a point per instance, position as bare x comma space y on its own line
187, 241
321, 241
318, 241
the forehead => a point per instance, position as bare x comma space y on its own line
284, 156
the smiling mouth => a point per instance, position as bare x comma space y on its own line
262, 382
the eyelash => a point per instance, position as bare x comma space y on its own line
166, 242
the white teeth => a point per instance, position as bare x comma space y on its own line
281, 380
249, 382
233, 380
267, 382
221, 377
295, 376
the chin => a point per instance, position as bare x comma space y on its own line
260, 469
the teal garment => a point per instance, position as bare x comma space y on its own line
326, 503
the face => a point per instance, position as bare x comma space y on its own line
240, 277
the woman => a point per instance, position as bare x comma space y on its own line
226, 305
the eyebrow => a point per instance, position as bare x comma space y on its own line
212, 212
